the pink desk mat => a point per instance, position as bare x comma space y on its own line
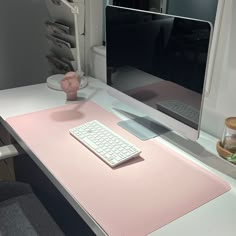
133, 199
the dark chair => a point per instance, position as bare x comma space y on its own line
22, 214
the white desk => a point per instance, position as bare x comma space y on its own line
214, 218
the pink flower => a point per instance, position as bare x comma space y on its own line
70, 85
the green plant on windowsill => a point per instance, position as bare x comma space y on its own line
232, 158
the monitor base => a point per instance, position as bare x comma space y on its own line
143, 128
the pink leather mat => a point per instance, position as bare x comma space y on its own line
133, 199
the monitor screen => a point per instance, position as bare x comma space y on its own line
158, 64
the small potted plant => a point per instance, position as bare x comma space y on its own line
70, 85
232, 158
226, 148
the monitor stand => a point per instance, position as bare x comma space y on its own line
143, 128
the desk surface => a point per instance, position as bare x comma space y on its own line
214, 218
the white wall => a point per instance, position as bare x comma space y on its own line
93, 28
22, 43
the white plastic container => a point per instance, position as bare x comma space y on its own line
99, 62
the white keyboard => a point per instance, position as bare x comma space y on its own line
106, 144
180, 111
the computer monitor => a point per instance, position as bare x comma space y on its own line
157, 63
